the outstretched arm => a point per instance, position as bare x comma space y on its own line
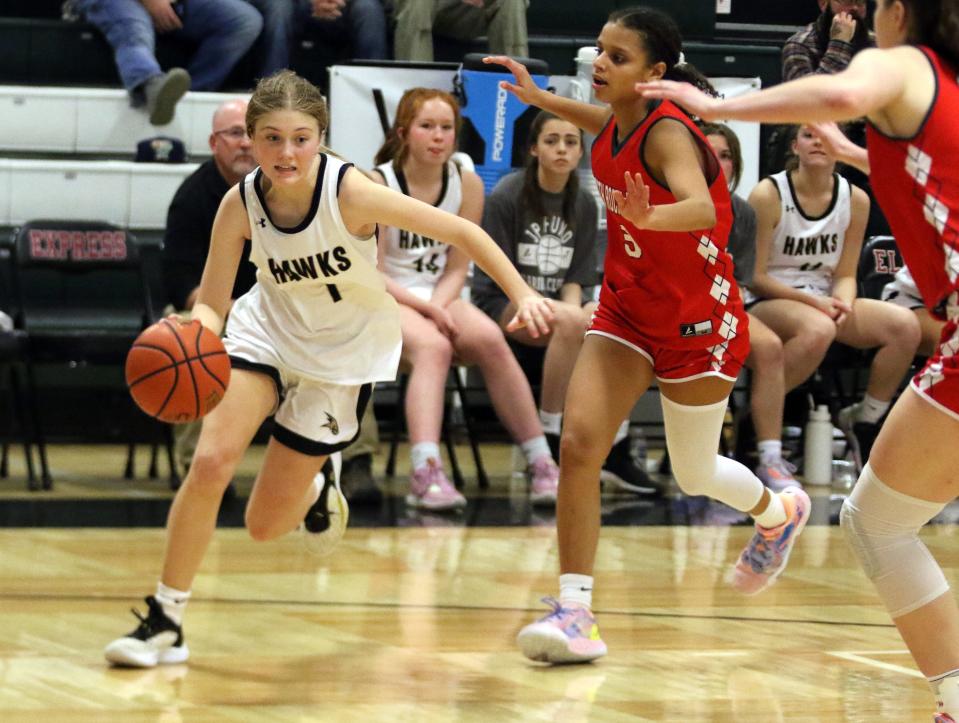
589, 117
873, 80
364, 203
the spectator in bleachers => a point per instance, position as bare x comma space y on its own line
221, 30
810, 226
502, 21
426, 277
767, 389
902, 290
186, 244
827, 44
361, 23
546, 224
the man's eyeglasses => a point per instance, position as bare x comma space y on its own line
236, 133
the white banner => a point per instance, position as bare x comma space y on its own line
356, 134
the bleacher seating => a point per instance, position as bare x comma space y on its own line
133, 195
52, 120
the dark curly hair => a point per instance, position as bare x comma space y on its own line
660, 37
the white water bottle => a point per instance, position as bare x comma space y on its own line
581, 87
817, 461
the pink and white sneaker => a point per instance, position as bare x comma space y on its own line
564, 635
768, 551
544, 481
431, 489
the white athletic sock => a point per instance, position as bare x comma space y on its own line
535, 448
622, 432
552, 421
770, 451
946, 689
774, 514
871, 410
577, 589
172, 601
423, 452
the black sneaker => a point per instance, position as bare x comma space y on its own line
622, 471
358, 483
860, 436
325, 522
156, 641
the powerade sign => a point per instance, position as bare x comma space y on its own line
499, 124
495, 124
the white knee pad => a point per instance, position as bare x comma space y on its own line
692, 438
882, 527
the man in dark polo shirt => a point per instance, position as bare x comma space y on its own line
186, 245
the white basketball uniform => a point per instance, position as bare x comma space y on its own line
805, 249
318, 320
902, 290
416, 262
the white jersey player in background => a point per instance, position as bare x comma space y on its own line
426, 276
809, 232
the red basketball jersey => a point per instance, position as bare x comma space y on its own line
678, 285
916, 181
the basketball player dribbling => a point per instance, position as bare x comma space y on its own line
907, 89
669, 309
306, 342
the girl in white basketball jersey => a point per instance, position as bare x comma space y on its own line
810, 226
426, 277
305, 343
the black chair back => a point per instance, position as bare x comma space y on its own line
878, 263
81, 280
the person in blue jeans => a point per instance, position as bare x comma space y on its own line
221, 30
362, 23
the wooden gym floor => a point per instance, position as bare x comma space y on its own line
415, 620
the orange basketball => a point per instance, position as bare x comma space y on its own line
177, 372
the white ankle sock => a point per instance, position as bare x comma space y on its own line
774, 514
622, 432
577, 589
552, 421
535, 448
871, 410
770, 451
423, 452
172, 601
946, 689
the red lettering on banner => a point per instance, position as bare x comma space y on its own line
77, 245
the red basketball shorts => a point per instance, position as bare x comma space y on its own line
674, 365
938, 382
